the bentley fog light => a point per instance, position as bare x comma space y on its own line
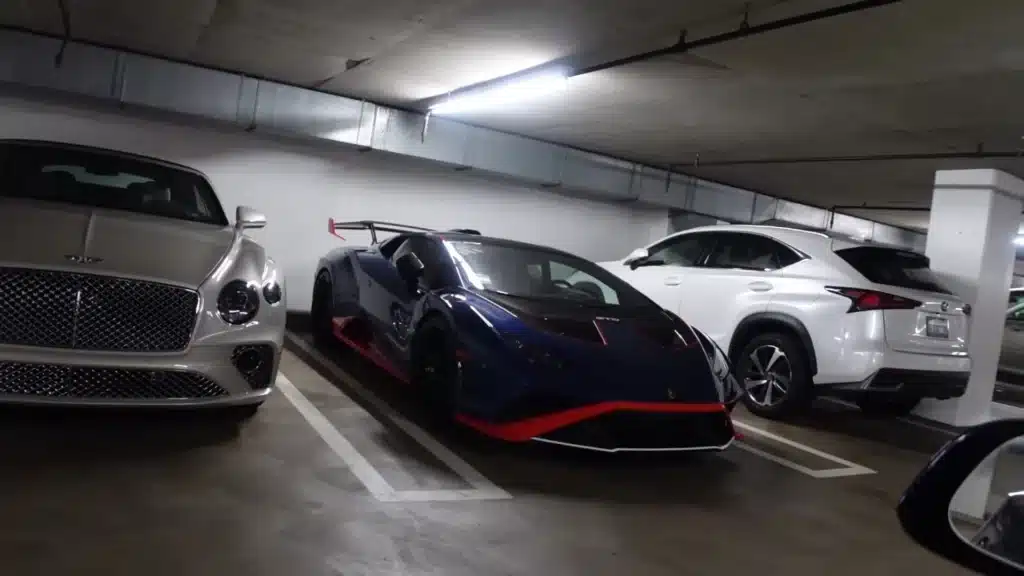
238, 302
272, 292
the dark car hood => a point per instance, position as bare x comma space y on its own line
606, 325
637, 353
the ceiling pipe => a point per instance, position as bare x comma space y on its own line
866, 158
65, 20
744, 31
885, 208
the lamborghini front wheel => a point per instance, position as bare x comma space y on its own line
437, 368
321, 312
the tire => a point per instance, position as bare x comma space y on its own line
894, 407
436, 369
790, 365
321, 312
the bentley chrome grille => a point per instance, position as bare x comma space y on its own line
54, 309
83, 382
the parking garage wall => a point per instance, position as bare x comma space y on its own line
300, 184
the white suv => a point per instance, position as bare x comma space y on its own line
803, 313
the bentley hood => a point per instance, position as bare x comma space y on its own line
83, 239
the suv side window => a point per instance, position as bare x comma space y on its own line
750, 252
684, 250
435, 272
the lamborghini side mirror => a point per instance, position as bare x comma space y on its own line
967, 505
636, 257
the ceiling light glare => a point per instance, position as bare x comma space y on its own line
1019, 240
494, 97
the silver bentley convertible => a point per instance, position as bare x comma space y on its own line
123, 284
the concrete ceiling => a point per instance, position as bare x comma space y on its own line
917, 77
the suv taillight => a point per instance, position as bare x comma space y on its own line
861, 300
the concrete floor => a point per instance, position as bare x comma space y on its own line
109, 494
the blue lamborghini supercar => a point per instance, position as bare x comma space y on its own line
525, 343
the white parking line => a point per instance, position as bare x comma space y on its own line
846, 469
905, 420
482, 488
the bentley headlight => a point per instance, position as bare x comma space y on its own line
272, 292
238, 302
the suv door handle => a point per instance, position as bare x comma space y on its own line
673, 281
760, 286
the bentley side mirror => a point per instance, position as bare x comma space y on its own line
248, 218
410, 268
967, 505
636, 257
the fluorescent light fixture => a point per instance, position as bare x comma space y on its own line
492, 97
1019, 240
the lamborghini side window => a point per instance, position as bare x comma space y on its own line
534, 273
436, 274
388, 247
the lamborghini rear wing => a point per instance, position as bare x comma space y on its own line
375, 226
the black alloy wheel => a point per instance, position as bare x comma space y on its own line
437, 371
321, 311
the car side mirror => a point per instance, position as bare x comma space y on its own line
249, 218
636, 257
410, 268
967, 505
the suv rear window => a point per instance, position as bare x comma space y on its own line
893, 267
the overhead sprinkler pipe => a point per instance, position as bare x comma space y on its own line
745, 30
868, 158
547, 77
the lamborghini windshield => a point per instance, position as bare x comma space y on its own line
102, 179
535, 273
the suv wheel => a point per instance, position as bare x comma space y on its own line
772, 368
895, 406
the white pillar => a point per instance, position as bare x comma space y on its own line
975, 216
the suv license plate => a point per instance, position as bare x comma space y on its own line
936, 327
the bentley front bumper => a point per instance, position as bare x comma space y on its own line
208, 375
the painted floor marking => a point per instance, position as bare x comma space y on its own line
845, 469
904, 419
482, 488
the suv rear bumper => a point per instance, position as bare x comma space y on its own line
904, 382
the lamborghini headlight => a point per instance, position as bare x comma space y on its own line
725, 378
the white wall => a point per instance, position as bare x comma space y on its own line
300, 185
